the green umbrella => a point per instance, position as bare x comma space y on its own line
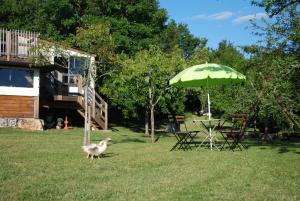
207, 75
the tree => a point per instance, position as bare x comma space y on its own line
228, 54
277, 65
134, 25
283, 31
169, 38
143, 81
54, 19
179, 35
187, 42
96, 39
275, 7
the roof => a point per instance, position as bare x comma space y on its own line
69, 48
22, 64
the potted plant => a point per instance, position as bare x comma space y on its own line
59, 123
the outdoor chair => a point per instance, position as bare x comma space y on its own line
235, 135
184, 138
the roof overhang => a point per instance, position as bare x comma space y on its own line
41, 67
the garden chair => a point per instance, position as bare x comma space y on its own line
235, 136
184, 138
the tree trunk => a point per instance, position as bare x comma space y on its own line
147, 122
152, 123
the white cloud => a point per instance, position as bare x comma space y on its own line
216, 16
196, 17
246, 18
222, 15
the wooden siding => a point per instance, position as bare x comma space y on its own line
16, 106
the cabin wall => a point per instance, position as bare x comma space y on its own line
17, 106
18, 102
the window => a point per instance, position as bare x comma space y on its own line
16, 78
77, 65
61, 61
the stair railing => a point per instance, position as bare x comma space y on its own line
100, 111
17, 43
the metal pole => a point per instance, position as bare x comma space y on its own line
209, 118
208, 103
87, 111
85, 116
89, 125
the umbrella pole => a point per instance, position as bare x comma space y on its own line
209, 115
208, 104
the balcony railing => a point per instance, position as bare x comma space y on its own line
17, 45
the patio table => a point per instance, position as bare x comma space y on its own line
210, 125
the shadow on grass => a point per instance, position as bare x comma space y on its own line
133, 126
277, 144
162, 133
128, 140
139, 129
105, 155
109, 155
136, 127
113, 129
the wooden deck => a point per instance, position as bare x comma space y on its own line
16, 59
66, 98
18, 46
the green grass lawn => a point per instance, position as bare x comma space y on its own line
50, 165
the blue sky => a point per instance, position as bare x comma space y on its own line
216, 20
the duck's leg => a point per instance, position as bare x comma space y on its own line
88, 156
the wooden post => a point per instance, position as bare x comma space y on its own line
59, 84
8, 45
79, 85
36, 107
106, 116
93, 103
1, 41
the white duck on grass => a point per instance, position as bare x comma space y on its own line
96, 150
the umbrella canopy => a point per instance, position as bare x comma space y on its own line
208, 74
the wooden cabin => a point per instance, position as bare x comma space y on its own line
36, 78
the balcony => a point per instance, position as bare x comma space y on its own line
17, 46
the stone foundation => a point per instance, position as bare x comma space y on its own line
8, 122
22, 123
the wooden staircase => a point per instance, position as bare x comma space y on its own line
58, 86
98, 109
